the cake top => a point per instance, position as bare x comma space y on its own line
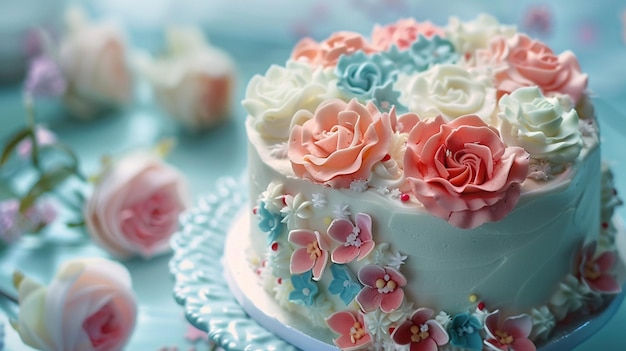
459, 119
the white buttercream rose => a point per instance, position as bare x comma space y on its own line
193, 81
447, 90
135, 205
469, 36
540, 125
93, 60
88, 306
273, 99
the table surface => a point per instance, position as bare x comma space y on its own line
203, 157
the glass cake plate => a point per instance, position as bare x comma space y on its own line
221, 301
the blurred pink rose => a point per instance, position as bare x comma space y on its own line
135, 206
340, 143
93, 60
327, 53
88, 306
462, 171
522, 62
403, 33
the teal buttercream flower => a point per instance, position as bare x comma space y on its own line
270, 223
385, 98
360, 74
427, 52
402, 59
343, 284
464, 331
304, 288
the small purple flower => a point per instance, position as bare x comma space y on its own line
13, 224
44, 78
44, 137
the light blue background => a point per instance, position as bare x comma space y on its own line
257, 33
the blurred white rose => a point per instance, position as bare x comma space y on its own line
192, 81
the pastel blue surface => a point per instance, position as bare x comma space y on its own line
257, 34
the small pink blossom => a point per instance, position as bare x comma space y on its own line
351, 329
311, 254
327, 53
43, 136
356, 239
403, 33
421, 332
383, 288
595, 272
509, 335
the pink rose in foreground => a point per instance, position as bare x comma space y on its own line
135, 205
403, 33
88, 306
510, 334
327, 53
93, 60
462, 171
340, 143
522, 62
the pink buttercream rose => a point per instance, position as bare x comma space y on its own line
521, 61
88, 306
403, 33
462, 171
340, 143
327, 53
135, 206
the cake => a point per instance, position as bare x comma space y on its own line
428, 187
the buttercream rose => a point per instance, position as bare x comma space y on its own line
93, 60
360, 75
447, 90
88, 306
135, 205
522, 61
469, 36
462, 172
540, 126
340, 143
327, 53
273, 99
403, 33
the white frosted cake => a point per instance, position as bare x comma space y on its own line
429, 187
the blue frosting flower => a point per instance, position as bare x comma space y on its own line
385, 97
464, 331
304, 289
427, 52
401, 59
359, 74
270, 223
343, 284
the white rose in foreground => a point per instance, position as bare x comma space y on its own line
448, 90
92, 58
193, 81
273, 99
135, 205
88, 306
540, 125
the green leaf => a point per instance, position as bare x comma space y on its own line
47, 182
12, 144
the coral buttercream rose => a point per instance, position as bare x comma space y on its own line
327, 53
88, 306
403, 33
135, 205
340, 143
522, 62
462, 171
93, 60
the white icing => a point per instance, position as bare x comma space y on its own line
543, 323
472, 35
569, 297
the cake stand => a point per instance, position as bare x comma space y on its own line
224, 299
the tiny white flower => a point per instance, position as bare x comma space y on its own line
319, 200
382, 190
395, 193
358, 185
342, 211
